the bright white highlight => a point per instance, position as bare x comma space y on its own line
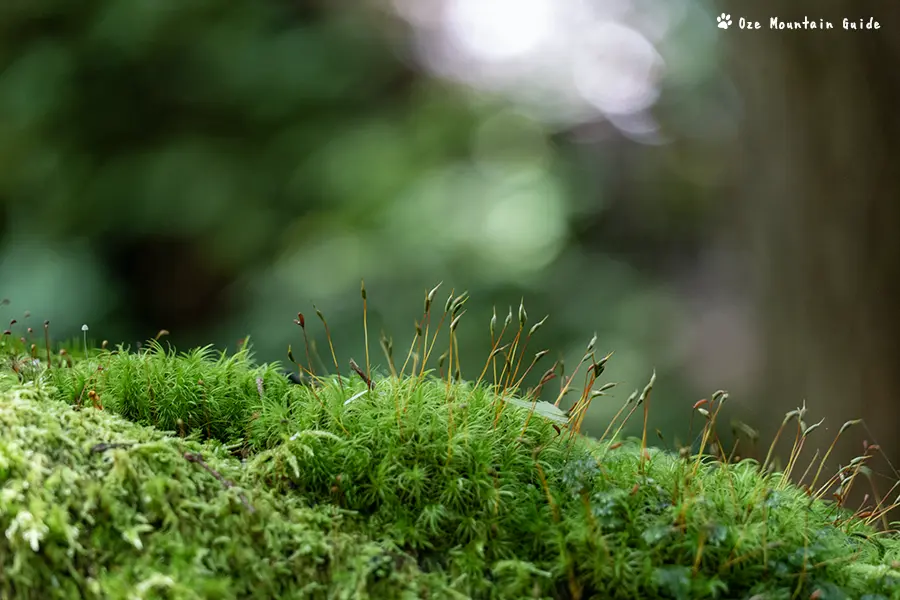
564, 61
619, 70
498, 30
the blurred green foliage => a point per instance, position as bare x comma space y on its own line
212, 168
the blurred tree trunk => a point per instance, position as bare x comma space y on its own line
821, 208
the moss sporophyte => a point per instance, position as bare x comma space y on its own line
154, 474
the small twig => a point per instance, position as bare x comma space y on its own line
196, 457
104, 446
362, 374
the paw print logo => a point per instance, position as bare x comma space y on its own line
724, 21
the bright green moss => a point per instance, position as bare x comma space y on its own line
140, 521
413, 487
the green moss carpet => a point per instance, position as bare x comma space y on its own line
153, 474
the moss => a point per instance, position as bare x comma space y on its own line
389, 485
94, 506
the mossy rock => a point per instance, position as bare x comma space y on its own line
151, 474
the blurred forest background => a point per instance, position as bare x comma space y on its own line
716, 205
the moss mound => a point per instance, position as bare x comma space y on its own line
95, 507
201, 475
